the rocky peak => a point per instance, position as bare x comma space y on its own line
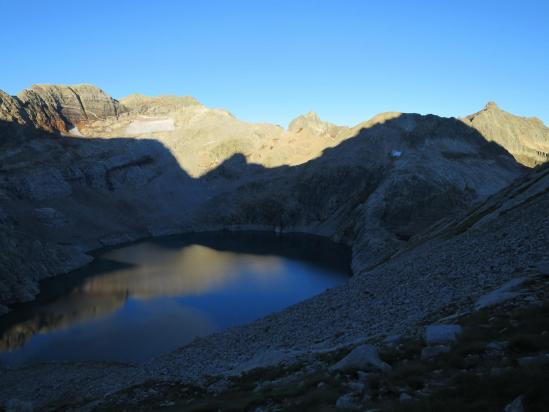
11, 109
526, 138
154, 105
312, 124
60, 108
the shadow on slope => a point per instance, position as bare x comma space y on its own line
388, 181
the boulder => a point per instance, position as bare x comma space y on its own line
431, 352
505, 292
15, 405
440, 334
349, 402
541, 359
362, 357
543, 267
515, 406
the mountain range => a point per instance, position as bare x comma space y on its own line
437, 211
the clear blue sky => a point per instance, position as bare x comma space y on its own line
267, 60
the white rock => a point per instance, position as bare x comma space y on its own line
439, 334
501, 294
515, 406
362, 357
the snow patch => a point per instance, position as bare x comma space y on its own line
150, 126
75, 132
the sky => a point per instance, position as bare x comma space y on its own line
267, 60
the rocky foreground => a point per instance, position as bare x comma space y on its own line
437, 211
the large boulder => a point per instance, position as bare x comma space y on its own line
362, 357
440, 334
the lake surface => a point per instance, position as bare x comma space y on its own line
139, 301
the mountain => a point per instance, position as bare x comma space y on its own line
437, 211
80, 170
526, 138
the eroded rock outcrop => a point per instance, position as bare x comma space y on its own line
61, 108
11, 109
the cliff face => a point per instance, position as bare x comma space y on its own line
182, 166
11, 109
61, 108
526, 138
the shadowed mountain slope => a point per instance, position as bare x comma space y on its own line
190, 168
436, 211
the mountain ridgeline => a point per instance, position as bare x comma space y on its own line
80, 170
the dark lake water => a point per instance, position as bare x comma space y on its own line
139, 301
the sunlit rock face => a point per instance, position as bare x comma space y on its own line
526, 138
60, 108
150, 166
311, 123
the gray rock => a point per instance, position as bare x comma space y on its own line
362, 357
15, 405
50, 216
505, 292
542, 359
497, 345
431, 352
543, 267
515, 406
363, 376
348, 401
405, 397
44, 184
356, 386
440, 334
391, 340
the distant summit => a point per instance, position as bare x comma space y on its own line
157, 104
526, 138
311, 123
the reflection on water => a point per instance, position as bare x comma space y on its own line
141, 300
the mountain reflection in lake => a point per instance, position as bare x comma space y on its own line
145, 299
